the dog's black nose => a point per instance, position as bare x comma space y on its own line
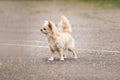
40, 29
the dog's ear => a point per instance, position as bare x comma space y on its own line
50, 25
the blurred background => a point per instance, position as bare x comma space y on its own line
92, 3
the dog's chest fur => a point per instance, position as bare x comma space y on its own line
54, 44
63, 41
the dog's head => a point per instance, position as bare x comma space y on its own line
49, 28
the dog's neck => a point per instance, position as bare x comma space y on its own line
53, 38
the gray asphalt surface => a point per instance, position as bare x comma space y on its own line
24, 50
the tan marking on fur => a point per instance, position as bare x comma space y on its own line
50, 25
65, 28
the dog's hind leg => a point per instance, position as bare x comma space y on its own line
65, 53
74, 53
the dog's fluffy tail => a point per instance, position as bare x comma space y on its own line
65, 25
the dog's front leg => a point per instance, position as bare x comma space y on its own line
61, 54
52, 55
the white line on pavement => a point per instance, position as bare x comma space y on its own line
23, 45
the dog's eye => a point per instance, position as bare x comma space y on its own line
44, 28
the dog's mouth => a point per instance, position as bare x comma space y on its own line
43, 32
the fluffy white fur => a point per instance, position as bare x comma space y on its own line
59, 41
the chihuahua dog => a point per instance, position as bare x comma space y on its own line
59, 40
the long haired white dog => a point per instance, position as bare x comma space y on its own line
59, 41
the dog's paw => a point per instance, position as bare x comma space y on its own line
51, 59
62, 59
75, 57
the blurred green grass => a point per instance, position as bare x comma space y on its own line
88, 3
99, 3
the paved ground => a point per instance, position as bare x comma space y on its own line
24, 50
